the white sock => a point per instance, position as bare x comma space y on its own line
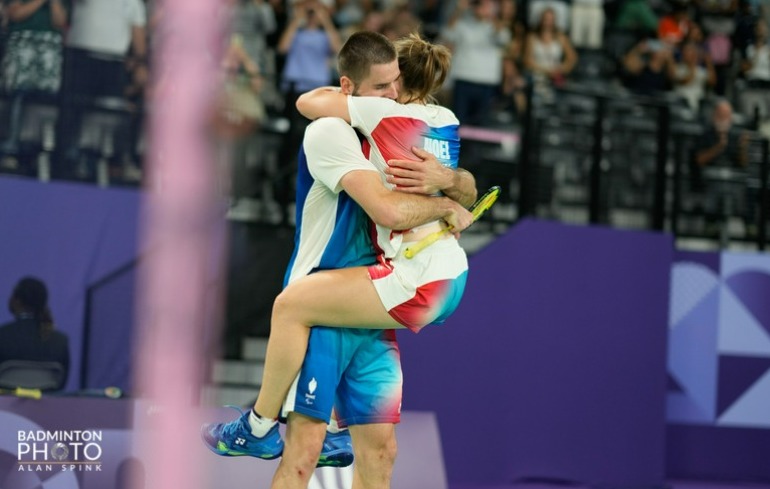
260, 425
333, 427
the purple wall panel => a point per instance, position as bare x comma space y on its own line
717, 453
111, 332
70, 236
554, 364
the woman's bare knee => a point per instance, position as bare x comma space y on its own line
286, 306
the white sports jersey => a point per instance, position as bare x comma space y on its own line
332, 230
392, 129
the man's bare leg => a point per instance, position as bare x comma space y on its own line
374, 446
304, 439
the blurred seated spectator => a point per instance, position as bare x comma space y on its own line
350, 12
374, 20
696, 36
636, 16
720, 142
310, 43
511, 16
549, 54
647, 67
240, 110
32, 59
31, 336
674, 26
138, 75
256, 22
756, 65
239, 115
745, 26
720, 145
756, 70
282, 11
429, 14
400, 22
477, 37
98, 41
561, 10
718, 19
587, 23
716, 15
764, 11
253, 21
692, 76
514, 81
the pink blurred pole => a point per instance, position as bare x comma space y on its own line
181, 230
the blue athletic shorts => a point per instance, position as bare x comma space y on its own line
356, 371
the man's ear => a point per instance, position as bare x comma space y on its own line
347, 86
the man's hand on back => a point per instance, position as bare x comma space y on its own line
427, 176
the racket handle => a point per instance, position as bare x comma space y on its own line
28, 393
425, 242
477, 209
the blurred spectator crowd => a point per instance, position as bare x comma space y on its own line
88, 59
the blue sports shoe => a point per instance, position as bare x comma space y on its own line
337, 450
234, 439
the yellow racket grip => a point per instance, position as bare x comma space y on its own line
28, 393
425, 242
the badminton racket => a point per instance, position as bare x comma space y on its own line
477, 209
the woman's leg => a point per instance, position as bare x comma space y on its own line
340, 298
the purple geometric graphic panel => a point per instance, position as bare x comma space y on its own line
737, 375
690, 283
712, 261
735, 443
739, 331
680, 408
672, 384
729, 323
692, 358
753, 289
